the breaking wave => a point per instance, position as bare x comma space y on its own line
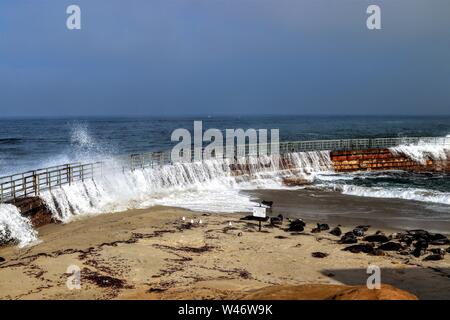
422, 195
211, 185
15, 228
422, 153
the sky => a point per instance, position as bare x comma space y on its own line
219, 57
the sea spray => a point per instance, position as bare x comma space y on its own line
422, 152
210, 185
14, 227
415, 194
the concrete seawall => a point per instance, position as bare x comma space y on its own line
382, 159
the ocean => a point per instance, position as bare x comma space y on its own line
27, 144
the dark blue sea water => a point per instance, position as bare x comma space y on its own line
33, 143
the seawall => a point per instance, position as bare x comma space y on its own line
383, 159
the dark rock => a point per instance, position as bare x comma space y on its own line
381, 238
348, 238
357, 248
403, 252
390, 246
448, 250
336, 232
281, 237
433, 257
319, 254
296, 225
365, 228
2, 259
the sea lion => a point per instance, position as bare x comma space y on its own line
297, 225
433, 257
390, 246
276, 220
348, 238
357, 248
358, 232
336, 232
320, 227
381, 238
319, 254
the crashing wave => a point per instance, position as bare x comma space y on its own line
211, 185
423, 151
15, 228
421, 195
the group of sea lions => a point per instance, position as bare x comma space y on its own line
411, 242
414, 242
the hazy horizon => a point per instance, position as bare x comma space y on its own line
224, 58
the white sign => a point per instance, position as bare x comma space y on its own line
259, 212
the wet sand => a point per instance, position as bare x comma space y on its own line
334, 207
153, 254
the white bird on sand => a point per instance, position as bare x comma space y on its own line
230, 224
184, 218
200, 221
192, 221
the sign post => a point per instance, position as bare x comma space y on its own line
260, 213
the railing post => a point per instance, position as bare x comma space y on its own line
14, 190
69, 174
35, 184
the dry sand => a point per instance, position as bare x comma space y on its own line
152, 254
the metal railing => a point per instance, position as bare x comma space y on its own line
31, 183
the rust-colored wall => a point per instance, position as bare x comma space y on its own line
381, 159
35, 209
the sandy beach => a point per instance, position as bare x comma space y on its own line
154, 254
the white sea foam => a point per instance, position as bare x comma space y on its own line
395, 193
210, 185
423, 151
15, 227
